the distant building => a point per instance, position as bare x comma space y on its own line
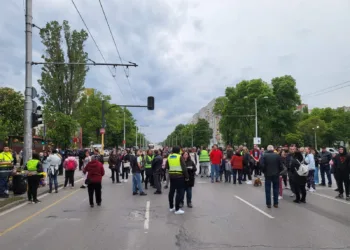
303, 108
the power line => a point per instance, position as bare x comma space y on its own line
98, 48
115, 44
333, 90
325, 89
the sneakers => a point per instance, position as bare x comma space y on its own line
171, 209
280, 197
30, 202
292, 195
125, 181
37, 201
143, 194
312, 190
249, 182
180, 211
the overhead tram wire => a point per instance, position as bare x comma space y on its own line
98, 48
316, 93
115, 44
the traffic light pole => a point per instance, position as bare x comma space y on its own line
28, 106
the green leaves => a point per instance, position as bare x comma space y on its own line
11, 112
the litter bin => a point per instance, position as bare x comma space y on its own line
19, 184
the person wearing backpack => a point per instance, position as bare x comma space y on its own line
70, 165
297, 167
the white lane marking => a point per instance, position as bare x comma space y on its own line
24, 204
41, 233
252, 206
331, 198
146, 225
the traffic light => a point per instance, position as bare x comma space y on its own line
150, 103
42, 142
36, 116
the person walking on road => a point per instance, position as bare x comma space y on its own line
157, 171
178, 175
70, 164
191, 169
215, 158
342, 170
54, 161
136, 168
95, 172
33, 169
272, 168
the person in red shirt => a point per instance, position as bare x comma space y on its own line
237, 166
215, 159
95, 172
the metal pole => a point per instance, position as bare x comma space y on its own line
315, 140
256, 117
103, 125
136, 137
28, 106
124, 129
192, 137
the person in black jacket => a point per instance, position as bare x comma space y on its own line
325, 168
299, 181
341, 164
272, 168
157, 171
191, 170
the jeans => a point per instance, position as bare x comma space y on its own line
215, 170
136, 183
326, 169
69, 177
235, 171
178, 185
33, 184
188, 191
115, 175
310, 179
157, 184
53, 179
97, 189
316, 175
4, 183
274, 181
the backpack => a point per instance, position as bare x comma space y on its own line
71, 165
303, 169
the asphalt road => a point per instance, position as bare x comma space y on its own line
225, 216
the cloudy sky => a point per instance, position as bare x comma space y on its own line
188, 51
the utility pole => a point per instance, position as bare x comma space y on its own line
256, 118
136, 137
28, 106
124, 129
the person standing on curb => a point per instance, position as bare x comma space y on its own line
178, 175
33, 168
6, 168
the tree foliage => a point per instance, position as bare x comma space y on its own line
183, 135
11, 112
62, 85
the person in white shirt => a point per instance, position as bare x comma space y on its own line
54, 161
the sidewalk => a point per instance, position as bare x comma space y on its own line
15, 200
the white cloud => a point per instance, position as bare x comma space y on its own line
189, 51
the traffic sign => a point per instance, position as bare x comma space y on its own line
102, 131
257, 140
124, 141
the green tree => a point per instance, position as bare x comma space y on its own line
11, 112
62, 85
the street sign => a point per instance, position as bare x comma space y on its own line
124, 142
257, 140
34, 93
102, 131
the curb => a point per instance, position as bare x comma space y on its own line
24, 200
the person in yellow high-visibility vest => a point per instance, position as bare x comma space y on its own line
34, 169
178, 175
148, 168
6, 167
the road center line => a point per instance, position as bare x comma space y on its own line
331, 198
25, 204
37, 213
146, 225
252, 206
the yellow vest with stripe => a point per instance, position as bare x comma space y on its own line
174, 161
148, 163
204, 156
32, 165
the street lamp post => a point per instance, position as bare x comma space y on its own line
315, 129
124, 142
256, 114
136, 137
